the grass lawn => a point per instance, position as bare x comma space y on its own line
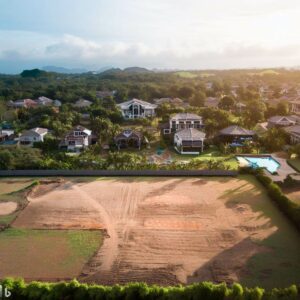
13, 185
295, 163
185, 74
12, 190
55, 253
280, 265
209, 154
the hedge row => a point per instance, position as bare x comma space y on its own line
140, 291
289, 208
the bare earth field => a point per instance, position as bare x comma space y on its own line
172, 230
293, 194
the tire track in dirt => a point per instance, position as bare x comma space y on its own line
108, 252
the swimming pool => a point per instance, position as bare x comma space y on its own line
267, 162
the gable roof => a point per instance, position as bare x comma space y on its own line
293, 130
147, 105
35, 132
190, 134
186, 117
129, 133
277, 119
236, 130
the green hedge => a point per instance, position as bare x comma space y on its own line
140, 291
289, 208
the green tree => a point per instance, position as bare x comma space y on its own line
6, 160
226, 103
275, 139
198, 99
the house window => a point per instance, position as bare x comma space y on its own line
167, 131
71, 143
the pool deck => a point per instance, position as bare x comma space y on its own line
283, 171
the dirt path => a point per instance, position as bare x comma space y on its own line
108, 252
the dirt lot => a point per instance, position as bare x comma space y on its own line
171, 230
293, 194
7, 208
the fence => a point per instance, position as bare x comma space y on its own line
112, 173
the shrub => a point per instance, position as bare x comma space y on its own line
139, 291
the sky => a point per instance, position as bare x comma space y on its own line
162, 34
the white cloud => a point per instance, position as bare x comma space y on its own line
74, 51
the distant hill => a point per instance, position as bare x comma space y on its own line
111, 71
64, 70
136, 70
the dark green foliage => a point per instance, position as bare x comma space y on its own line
140, 291
34, 73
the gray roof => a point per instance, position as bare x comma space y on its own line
129, 133
293, 129
236, 130
186, 116
276, 119
190, 134
35, 132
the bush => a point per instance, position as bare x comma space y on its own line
139, 291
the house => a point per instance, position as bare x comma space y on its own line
28, 137
294, 133
23, 103
211, 102
189, 141
136, 108
282, 121
82, 103
44, 101
7, 132
105, 94
182, 121
236, 134
295, 106
129, 138
3, 136
76, 139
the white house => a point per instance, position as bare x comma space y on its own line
182, 121
136, 108
31, 136
189, 141
76, 139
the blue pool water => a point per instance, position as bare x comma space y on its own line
263, 162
